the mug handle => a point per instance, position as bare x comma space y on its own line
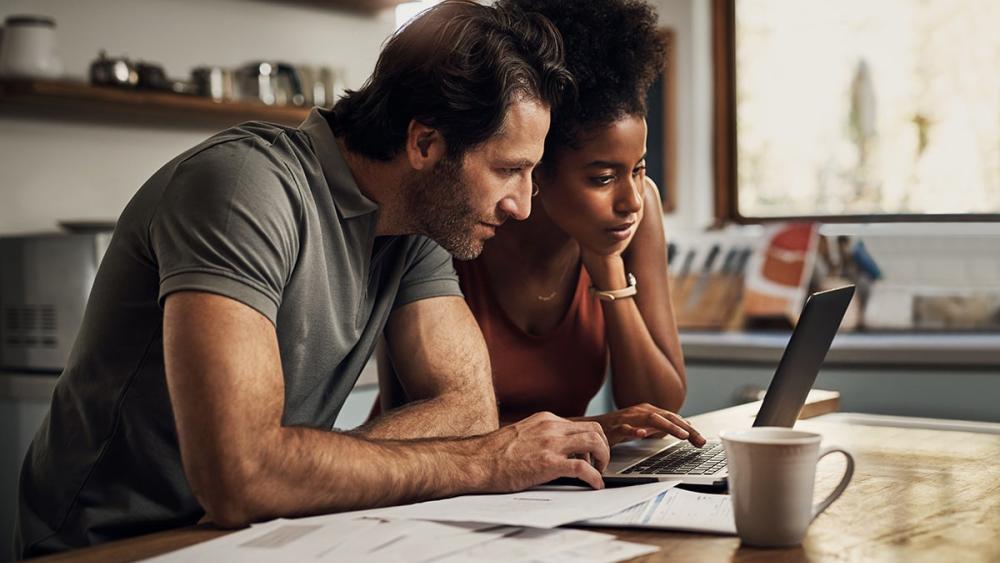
821, 506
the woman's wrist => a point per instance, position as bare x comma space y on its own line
606, 272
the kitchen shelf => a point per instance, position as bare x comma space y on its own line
367, 7
78, 100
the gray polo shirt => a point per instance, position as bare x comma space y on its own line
269, 216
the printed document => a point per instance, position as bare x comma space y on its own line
676, 509
538, 508
382, 540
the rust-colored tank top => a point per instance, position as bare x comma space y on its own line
559, 372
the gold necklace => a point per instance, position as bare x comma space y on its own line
559, 284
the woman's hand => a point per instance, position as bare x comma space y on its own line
646, 421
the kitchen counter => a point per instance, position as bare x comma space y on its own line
849, 349
861, 349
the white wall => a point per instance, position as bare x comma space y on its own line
691, 22
51, 169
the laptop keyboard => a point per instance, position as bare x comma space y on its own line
683, 460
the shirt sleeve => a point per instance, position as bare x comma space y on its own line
228, 224
430, 274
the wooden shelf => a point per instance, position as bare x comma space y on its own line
77, 100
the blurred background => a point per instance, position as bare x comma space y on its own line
799, 145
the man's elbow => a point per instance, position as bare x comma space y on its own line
470, 411
483, 416
228, 513
230, 493
484, 424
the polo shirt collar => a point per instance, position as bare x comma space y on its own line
347, 195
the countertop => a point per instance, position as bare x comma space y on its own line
859, 348
971, 350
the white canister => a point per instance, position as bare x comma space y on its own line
28, 48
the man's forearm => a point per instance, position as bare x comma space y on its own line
294, 471
452, 414
300, 471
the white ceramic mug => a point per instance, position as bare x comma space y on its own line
772, 472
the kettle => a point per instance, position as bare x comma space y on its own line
113, 71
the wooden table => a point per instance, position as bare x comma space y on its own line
917, 495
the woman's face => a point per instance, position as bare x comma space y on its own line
594, 193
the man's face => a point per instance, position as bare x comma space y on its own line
460, 203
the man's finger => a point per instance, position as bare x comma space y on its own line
583, 471
585, 427
592, 443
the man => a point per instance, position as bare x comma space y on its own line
249, 279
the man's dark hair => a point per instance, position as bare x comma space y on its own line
614, 52
457, 68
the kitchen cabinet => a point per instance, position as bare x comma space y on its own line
24, 402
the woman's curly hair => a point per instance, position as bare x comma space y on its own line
614, 52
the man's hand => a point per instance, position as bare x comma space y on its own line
646, 421
542, 448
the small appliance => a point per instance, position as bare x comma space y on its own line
45, 281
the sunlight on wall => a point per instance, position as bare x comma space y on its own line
405, 12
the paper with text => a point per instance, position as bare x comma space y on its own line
538, 508
605, 552
379, 540
676, 509
529, 543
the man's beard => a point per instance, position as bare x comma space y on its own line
441, 208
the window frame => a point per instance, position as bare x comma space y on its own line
667, 184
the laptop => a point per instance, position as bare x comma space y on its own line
669, 459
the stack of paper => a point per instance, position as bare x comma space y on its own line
477, 528
382, 540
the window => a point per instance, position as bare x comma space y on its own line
884, 110
409, 10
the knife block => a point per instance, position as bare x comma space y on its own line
715, 305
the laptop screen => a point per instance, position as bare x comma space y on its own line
806, 350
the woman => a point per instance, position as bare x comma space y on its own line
584, 279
